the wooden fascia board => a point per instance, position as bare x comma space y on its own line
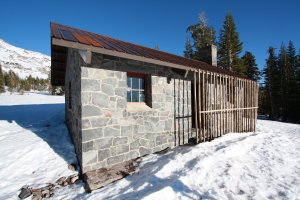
76, 45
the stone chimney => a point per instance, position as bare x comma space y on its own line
208, 54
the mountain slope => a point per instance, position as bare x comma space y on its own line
23, 62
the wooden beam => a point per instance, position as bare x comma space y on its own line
76, 45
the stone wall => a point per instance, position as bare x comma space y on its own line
73, 99
111, 133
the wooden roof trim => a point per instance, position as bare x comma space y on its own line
76, 45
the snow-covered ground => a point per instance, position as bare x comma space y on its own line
35, 149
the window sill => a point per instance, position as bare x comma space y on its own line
137, 107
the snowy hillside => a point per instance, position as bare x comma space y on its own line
35, 149
23, 62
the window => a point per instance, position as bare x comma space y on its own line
135, 87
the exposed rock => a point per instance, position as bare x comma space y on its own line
65, 183
61, 180
45, 193
74, 179
36, 197
25, 192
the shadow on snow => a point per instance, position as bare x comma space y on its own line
47, 122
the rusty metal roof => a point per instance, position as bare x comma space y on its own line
71, 34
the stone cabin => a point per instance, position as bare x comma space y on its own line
124, 100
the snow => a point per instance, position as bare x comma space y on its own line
23, 62
35, 148
260, 165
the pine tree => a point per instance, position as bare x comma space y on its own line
12, 81
283, 77
2, 89
230, 47
293, 93
250, 65
188, 52
202, 34
271, 83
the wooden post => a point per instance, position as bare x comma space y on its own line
199, 106
203, 103
195, 106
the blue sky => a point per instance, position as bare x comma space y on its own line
260, 24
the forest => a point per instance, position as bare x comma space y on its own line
279, 79
14, 83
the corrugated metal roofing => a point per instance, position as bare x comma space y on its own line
59, 31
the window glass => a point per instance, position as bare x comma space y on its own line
142, 83
142, 96
129, 82
135, 96
135, 83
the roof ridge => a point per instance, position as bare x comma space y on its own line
200, 62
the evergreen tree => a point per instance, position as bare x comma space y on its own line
188, 52
12, 81
202, 34
2, 89
271, 83
250, 65
283, 77
230, 47
293, 94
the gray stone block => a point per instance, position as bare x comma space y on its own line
154, 119
144, 151
89, 157
103, 154
122, 92
122, 84
99, 122
149, 127
99, 165
107, 89
85, 98
107, 64
89, 85
121, 103
120, 140
87, 146
111, 132
132, 154
126, 130
103, 143
168, 125
84, 72
89, 111
100, 100
122, 149
110, 81
91, 134
85, 123
115, 160
134, 145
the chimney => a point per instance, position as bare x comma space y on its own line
208, 54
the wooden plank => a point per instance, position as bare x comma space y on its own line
195, 106
204, 105
199, 105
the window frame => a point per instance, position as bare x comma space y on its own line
139, 76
